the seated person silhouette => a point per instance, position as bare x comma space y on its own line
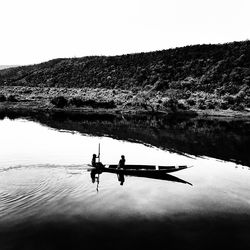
121, 164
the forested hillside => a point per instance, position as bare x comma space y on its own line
220, 70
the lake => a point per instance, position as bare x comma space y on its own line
48, 199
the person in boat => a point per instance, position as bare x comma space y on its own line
121, 164
96, 165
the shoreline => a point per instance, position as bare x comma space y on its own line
20, 109
102, 102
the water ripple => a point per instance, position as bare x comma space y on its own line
27, 191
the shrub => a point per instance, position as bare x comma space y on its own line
201, 104
171, 103
181, 105
59, 101
26, 91
2, 98
76, 101
12, 98
147, 87
224, 105
141, 103
238, 107
160, 84
210, 105
229, 99
186, 94
188, 82
137, 102
107, 104
191, 102
248, 102
239, 97
101, 104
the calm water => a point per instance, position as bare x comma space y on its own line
48, 201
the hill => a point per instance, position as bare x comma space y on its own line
204, 76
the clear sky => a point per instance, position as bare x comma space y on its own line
33, 31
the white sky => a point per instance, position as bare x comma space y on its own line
33, 31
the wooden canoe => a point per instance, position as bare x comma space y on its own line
139, 169
147, 171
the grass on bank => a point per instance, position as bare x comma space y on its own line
148, 99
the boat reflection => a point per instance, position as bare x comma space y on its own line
95, 176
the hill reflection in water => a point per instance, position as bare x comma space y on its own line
221, 138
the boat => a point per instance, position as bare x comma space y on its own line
139, 169
147, 171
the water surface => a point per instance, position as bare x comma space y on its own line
48, 200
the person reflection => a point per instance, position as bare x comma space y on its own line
121, 178
95, 178
92, 175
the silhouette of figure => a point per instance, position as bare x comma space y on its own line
92, 175
121, 178
121, 164
94, 179
93, 162
97, 165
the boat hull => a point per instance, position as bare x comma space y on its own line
142, 169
